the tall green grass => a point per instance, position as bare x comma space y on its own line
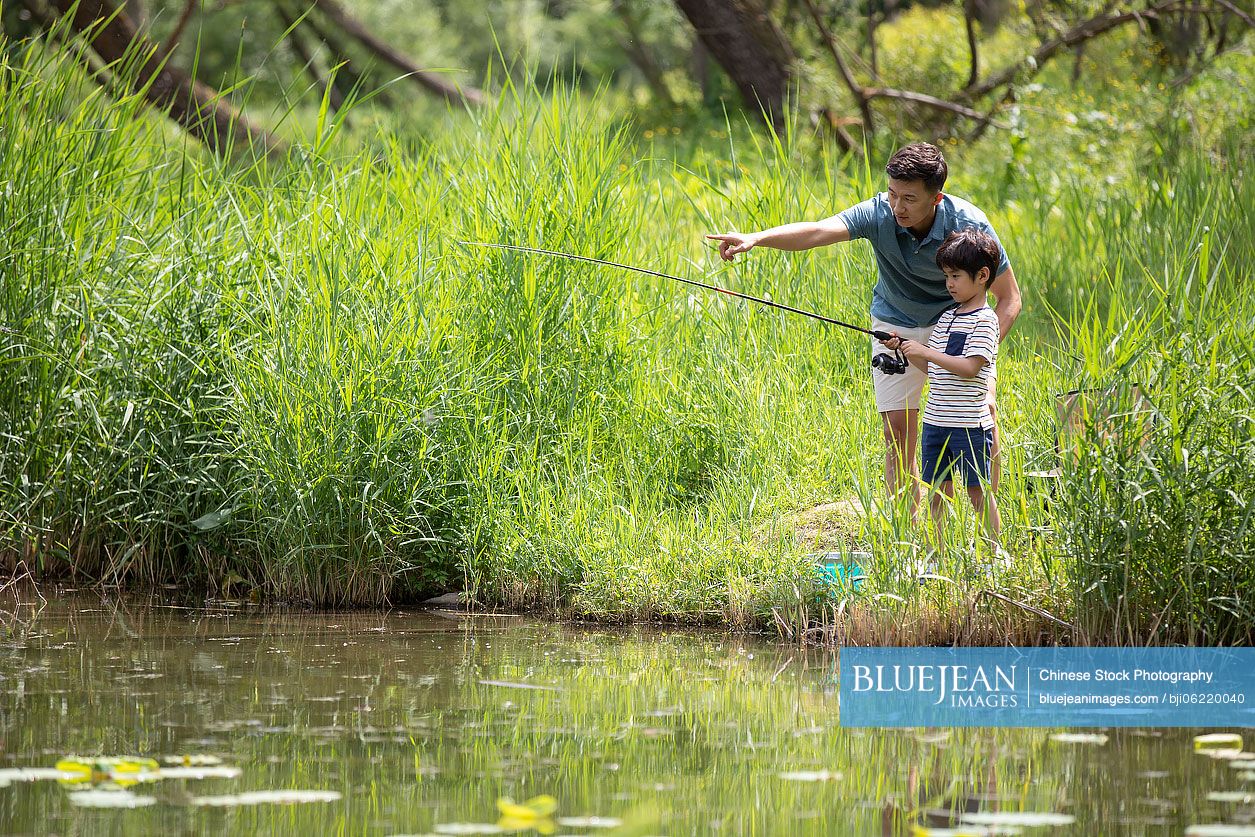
293, 381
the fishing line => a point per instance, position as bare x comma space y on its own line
879, 335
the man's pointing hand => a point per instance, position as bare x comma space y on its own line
733, 244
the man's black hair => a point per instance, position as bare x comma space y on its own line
969, 250
919, 161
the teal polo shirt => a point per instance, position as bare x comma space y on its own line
911, 290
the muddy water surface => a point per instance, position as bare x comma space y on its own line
133, 716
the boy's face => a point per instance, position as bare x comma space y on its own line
963, 286
911, 202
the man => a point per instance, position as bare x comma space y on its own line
905, 226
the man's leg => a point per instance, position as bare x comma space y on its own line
901, 429
897, 401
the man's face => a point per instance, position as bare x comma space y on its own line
911, 202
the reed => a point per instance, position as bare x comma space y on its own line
291, 381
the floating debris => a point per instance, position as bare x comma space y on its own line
1079, 738
811, 776
271, 797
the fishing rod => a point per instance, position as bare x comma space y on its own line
879, 335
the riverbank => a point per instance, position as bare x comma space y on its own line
292, 382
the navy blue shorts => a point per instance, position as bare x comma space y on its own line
949, 449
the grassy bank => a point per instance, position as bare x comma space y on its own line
292, 381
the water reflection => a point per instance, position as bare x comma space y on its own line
421, 722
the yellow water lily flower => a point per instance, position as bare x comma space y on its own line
535, 808
124, 771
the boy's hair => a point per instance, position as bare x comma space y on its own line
919, 161
969, 250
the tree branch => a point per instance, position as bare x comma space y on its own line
197, 107
291, 23
634, 47
930, 101
1084, 31
180, 27
424, 79
1243, 16
860, 95
974, 63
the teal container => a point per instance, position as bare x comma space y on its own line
842, 571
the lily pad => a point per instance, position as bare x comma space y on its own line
9, 775
1017, 818
589, 822
97, 798
208, 772
811, 776
1079, 738
1217, 741
191, 760
271, 797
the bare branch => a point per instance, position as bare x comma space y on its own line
1084, 31
1243, 16
860, 96
197, 107
429, 81
969, 21
332, 93
925, 99
180, 27
634, 47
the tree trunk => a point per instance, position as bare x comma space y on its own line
428, 81
749, 48
197, 107
635, 49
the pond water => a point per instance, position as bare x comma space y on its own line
417, 722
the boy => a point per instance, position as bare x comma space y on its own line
960, 358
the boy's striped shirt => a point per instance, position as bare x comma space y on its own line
955, 401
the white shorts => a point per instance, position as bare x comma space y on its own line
902, 392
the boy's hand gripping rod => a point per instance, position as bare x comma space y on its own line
879, 335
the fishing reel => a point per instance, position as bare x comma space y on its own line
890, 364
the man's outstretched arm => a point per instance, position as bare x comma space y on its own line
802, 235
1007, 306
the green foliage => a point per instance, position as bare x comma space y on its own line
295, 379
